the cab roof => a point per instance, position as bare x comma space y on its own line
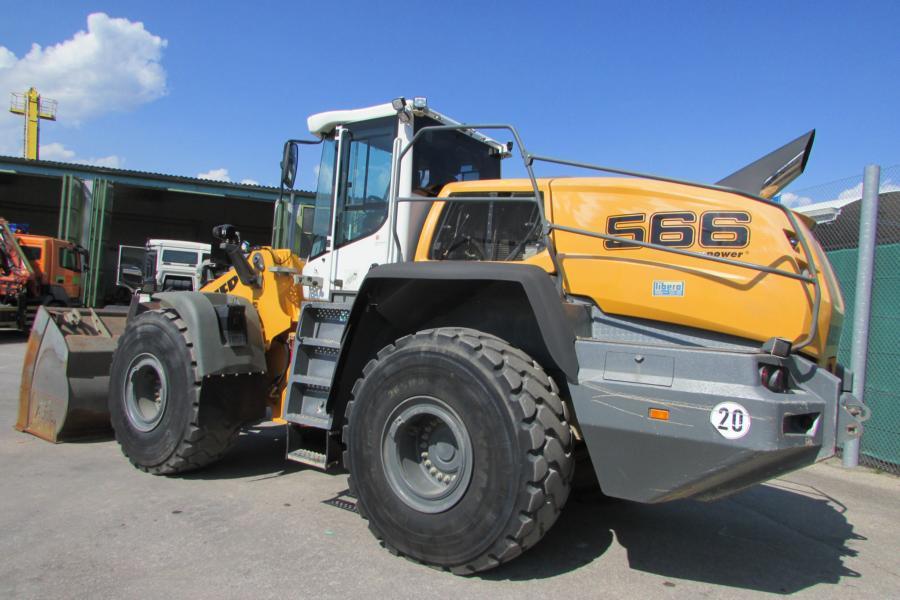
321, 124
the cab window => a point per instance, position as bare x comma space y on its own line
367, 172
506, 229
32, 253
321, 225
68, 259
180, 257
442, 157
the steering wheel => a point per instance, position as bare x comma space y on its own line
470, 247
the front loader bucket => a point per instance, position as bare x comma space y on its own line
66, 372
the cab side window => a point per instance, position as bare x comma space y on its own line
363, 202
68, 259
506, 229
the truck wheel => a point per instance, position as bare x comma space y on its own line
458, 449
163, 420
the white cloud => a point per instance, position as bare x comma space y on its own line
115, 65
249, 182
58, 152
215, 175
855, 192
112, 161
793, 200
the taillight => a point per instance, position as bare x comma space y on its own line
773, 378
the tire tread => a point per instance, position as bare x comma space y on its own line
205, 440
543, 430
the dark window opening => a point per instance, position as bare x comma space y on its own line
503, 230
442, 157
180, 257
31, 253
68, 259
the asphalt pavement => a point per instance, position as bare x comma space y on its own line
78, 521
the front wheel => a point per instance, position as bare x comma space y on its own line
165, 420
458, 449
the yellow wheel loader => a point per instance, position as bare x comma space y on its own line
453, 337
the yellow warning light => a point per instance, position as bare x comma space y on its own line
660, 414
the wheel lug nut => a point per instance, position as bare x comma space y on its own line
424, 455
428, 463
446, 479
433, 471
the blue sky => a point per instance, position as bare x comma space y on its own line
686, 89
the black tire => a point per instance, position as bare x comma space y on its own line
191, 429
514, 422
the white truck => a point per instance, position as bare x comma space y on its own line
161, 264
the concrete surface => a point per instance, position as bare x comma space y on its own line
76, 521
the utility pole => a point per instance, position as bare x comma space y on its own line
33, 108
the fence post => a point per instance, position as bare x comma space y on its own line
868, 222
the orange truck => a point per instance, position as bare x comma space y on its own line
36, 270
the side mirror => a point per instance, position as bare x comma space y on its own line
227, 234
289, 164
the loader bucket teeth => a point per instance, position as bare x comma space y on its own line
65, 375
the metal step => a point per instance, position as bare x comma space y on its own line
315, 447
308, 420
311, 342
308, 457
322, 383
328, 306
317, 346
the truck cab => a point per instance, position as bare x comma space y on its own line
163, 265
359, 148
36, 270
57, 264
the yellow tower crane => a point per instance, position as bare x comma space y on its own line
34, 108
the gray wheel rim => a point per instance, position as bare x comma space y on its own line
426, 454
145, 392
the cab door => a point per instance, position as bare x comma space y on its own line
356, 218
66, 273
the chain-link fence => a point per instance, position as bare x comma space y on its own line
836, 207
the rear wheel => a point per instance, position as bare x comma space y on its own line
459, 451
164, 420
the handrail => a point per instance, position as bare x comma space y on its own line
528, 159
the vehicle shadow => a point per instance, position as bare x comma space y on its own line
780, 538
258, 453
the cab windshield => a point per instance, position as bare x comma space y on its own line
438, 159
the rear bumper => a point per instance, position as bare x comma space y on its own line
687, 456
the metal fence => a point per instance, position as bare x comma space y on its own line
837, 207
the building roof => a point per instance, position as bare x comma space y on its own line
824, 212
841, 230
173, 183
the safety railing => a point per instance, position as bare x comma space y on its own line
528, 159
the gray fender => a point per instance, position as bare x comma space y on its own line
518, 303
197, 310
